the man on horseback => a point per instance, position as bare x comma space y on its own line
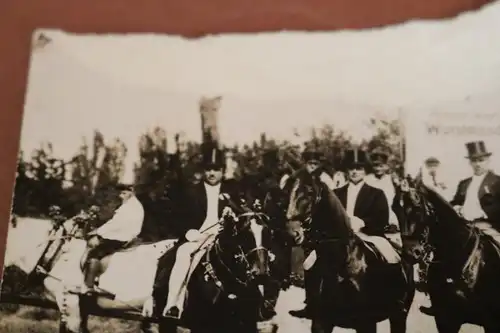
124, 226
478, 197
313, 160
199, 210
367, 208
382, 180
430, 176
366, 205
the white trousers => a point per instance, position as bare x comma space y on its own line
182, 270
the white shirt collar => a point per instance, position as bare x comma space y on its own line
383, 177
358, 185
481, 177
209, 187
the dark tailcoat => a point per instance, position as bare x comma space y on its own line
489, 196
371, 206
190, 213
191, 205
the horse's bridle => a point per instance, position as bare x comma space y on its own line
242, 257
306, 222
427, 257
66, 235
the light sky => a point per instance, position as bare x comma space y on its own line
123, 84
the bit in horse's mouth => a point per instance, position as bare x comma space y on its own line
298, 237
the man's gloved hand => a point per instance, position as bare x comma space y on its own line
327, 180
228, 212
93, 241
391, 229
193, 235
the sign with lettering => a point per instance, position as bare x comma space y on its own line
443, 134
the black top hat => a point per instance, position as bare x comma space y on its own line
356, 157
379, 157
124, 187
212, 157
312, 155
476, 149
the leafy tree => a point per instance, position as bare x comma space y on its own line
389, 139
87, 179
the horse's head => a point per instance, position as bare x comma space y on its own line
304, 192
246, 241
417, 213
35, 241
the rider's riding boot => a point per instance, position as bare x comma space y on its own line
311, 283
92, 270
271, 294
302, 313
177, 284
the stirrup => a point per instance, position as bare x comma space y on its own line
80, 290
172, 313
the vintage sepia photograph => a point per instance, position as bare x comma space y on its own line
284, 182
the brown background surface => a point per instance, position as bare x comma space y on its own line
191, 18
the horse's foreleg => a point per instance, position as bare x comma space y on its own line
62, 327
167, 326
71, 314
147, 326
447, 324
321, 326
84, 328
398, 322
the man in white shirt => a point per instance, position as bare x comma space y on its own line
313, 164
382, 180
366, 205
123, 227
368, 211
431, 177
200, 208
477, 197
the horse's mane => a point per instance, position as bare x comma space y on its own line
300, 174
336, 205
440, 204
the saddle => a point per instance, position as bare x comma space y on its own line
488, 230
133, 244
381, 247
386, 249
197, 256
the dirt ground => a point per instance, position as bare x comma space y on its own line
35, 321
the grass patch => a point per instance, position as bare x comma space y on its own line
35, 320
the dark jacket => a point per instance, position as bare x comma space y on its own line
191, 205
489, 195
371, 206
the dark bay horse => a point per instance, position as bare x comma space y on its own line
463, 262
225, 292
357, 288
265, 189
